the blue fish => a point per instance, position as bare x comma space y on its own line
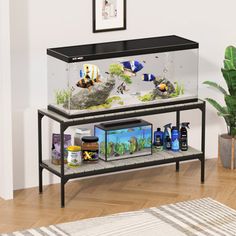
133, 66
148, 77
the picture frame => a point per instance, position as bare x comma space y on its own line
109, 15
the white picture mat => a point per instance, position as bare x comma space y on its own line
114, 22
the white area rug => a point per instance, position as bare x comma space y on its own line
197, 217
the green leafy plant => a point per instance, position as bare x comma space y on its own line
63, 96
118, 70
146, 97
228, 112
179, 90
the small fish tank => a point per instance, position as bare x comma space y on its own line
124, 139
120, 76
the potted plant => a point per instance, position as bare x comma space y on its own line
227, 111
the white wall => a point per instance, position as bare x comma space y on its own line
6, 180
37, 25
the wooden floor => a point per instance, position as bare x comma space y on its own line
117, 193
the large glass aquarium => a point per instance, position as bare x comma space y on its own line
119, 76
124, 139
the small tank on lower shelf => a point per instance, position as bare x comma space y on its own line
124, 139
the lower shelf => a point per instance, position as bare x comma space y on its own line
159, 157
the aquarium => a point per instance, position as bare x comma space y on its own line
119, 76
124, 139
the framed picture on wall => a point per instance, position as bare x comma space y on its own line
109, 15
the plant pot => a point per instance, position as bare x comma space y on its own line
227, 153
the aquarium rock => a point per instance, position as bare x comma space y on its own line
157, 92
97, 95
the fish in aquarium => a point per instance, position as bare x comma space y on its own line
89, 75
148, 77
132, 67
122, 88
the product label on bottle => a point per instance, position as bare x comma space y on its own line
175, 145
168, 145
74, 158
89, 155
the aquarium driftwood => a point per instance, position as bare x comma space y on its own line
97, 95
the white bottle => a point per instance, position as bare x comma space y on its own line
79, 133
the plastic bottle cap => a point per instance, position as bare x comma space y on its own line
74, 148
82, 131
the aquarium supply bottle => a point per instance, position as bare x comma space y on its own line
90, 149
158, 142
166, 137
158, 138
79, 134
168, 143
183, 140
74, 156
174, 139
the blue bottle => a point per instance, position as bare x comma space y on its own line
158, 139
174, 139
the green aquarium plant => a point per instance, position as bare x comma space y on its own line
179, 90
118, 70
63, 95
146, 97
108, 103
227, 111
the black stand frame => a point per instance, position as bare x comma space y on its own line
65, 123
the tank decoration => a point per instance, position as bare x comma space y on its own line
97, 95
163, 89
118, 70
179, 90
146, 97
63, 95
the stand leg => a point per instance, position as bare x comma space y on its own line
177, 119
62, 194
40, 180
177, 125
177, 166
203, 142
62, 130
202, 170
40, 169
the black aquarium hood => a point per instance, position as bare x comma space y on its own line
121, 48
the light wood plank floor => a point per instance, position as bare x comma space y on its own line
117, 193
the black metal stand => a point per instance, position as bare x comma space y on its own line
65, 123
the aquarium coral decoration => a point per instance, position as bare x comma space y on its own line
163, 89
97, 95
227, 111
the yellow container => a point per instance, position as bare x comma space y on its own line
74, 156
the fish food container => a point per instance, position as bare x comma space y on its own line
124, 139
121, 76
90, 149
74, 156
